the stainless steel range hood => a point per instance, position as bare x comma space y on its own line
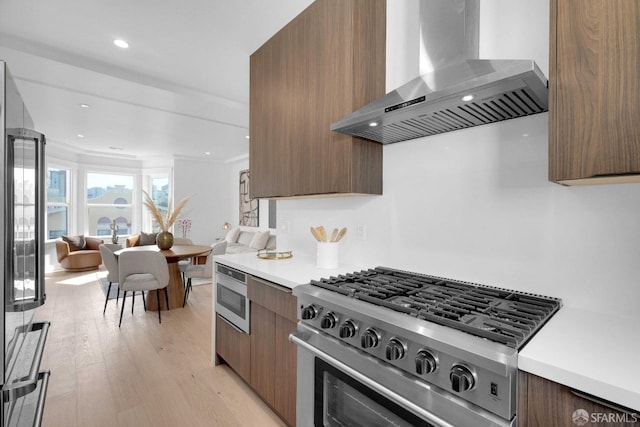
455, 89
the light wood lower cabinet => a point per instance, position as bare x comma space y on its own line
234, 347
263, 360
544, 403
273, 357
284, 397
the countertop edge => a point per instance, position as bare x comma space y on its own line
291, 272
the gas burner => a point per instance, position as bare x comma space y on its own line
501, 315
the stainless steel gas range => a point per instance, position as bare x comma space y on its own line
385, 347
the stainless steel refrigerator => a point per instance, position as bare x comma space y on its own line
22, 257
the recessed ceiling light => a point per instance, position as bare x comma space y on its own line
247, 137
121, 43
116, 148
85, 105
207, 153
467, 98
80, 135
373, 124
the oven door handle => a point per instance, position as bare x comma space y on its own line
298, 338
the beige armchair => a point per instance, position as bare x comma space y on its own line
74, 259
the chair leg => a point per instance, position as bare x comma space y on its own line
159, 308
118, 294
189, 286
144, 302
122, 308
166, 296
106, 299
133, 300
186, 291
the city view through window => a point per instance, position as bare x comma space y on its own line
109, 198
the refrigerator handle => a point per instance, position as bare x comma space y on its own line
11, 304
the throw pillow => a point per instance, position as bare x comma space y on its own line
76, 243
259, 240
232, 235
147, 239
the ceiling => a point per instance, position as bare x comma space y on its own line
180, 90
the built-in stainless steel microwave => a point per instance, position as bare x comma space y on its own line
231, 297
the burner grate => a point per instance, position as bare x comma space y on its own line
501, 315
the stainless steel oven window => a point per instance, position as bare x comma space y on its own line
343, 401
232, 301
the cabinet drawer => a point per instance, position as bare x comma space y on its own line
234, 347
276, 298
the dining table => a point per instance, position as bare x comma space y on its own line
176, 285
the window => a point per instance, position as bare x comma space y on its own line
160, 195
57, 202
109, 199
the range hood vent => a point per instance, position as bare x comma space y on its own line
457, 93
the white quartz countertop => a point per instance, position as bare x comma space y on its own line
595, 353
291, 272
598, 354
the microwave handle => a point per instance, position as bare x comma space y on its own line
235, 328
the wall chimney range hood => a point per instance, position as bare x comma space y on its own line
455, 90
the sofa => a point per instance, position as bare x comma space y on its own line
240, 241
79, 253
141, 239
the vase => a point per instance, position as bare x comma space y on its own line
164, 240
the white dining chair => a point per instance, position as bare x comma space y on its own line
110, 261
203, 271
184, 263
143, 271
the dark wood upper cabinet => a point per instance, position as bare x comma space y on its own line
594, 111
326, 63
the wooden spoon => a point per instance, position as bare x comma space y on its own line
334, 234
323, 234
315, 234
341, 234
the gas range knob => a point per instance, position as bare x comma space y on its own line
328, 321
394, 350
461, 378
310, 312
369, 339
426, 362
347, 329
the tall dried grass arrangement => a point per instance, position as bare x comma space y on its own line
165, 223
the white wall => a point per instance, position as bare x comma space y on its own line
476, 204
207, 182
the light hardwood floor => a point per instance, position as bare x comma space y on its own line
143, 374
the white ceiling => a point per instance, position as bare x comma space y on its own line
181, 89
